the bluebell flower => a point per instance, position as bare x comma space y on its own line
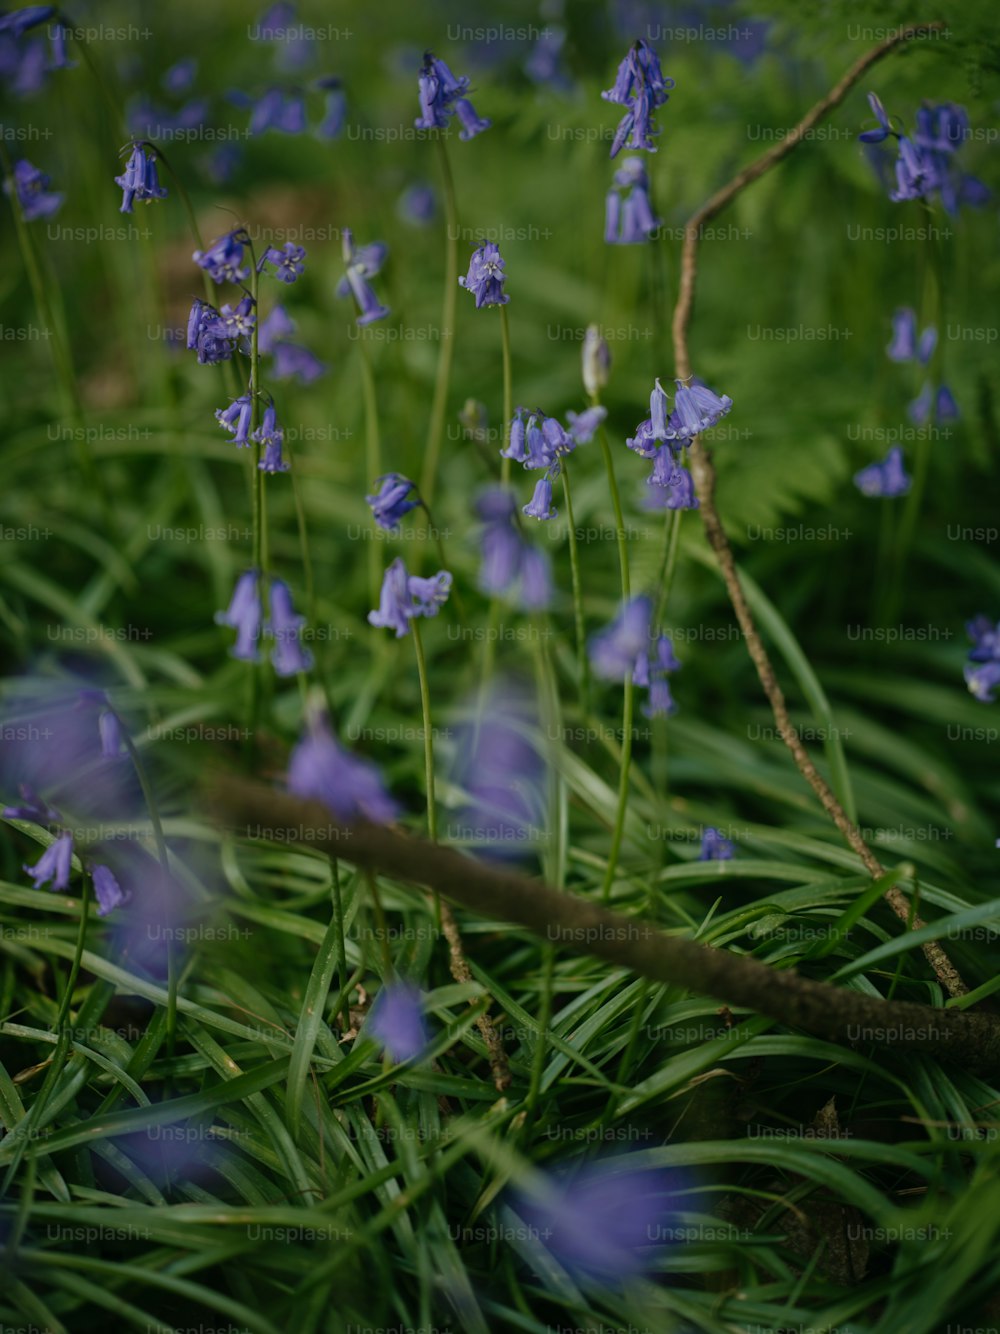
536, 448
904, 335
288, 655
223, 260
294, 362
640, 87
612, 217
983, 681
319, 769
696, 409
558, 441
335, 109
32, 807
501, 543
535, 575
110, 731
58, 54
180, 77
271, 436
678, 494
55, 864
985, 638
288, 262
244, 615
920, 409
515, 447
109, 892
595, 361
204, 336
362, 262
20, 21
715, 848
417, 205
643, 442
945, 406
472, 122
140, 180
665, 468
429, 595
272, 327
397, 1021
220, 164
395, 606
660, 702
279, 110
887, 478
540, 505
237, 418
884, 126
486, 276
31, 187
544, 63
231, 322
614, 650
658, 412
582, 425
916, 174
392, 500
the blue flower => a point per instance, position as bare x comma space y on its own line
55, 864
335, 109
179, 78
391, 501
985, 638
110, 731
288, 655
397, 1021
293, 362
696, 409
486, 276
540, 505
678, 492
582, 425
441, 96
630, 221
236, 418
643, 442
715, 848
203, 336
472, 122
515, 447
278, 110
537, 454
231, 323
362, 263
244, 615
660, 702
223, 260
288, 261
110, 894
417, 205
887, 478
904, 335
640, 87
665, 468
535, 589
884, 129
920, 409
140, 180
983, 681
395, 605
945, 406
271, 436
319, 769
614, 650
510, 565
272, 327
650, 671
31, 186
429, 595
34, 808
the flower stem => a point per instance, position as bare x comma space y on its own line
373, 457
257, 488
671, 544
425, 704
574, 565
439, 403
508, 392
338, 911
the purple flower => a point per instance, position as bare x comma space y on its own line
223, 260
31, 186
486, 276
140, 180
34, 808
395, 601
391, 501
582, 425
231, 322
629, 220
429, 595
335, 109
501, 542
535, 590
179, 78
54, 864
272, 327
715, 848
660, 702
920, 409
983, 681
696, 409
236, 418
904, 335
278, 110
884, 129
602, 1220
515, 448
397, 1021
441, 96
678, 488
203, 334
614, 650
945, 406
985, 638
537, 453
640, 87
665, 469
362, 263
110, 894
540, 505
887, 478
110, 730
271, 436
288, 261
294, 362
643, 442
417, 205
288, 655
244, 615
472, 122
319, 769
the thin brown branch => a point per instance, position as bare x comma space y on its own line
837, 1014
703, 475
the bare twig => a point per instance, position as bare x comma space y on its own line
703, 475
838, 1014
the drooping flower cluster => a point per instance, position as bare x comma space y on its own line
216, 334
140, 179
486, 276
627, 648
392, 500
887, 478
629, 217
442, 96
362, 262
640, 87
539, 442
663, 435
982, 671
320, 769
245, 615
927, 164
406, 595
397, 1021
511, 566
24, 60
906, 347
30, 186
292, 361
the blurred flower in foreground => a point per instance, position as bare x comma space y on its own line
888, 478
397, 1021
54, 864
288, 655
486, 276
614, 650
319, 769
510, 565
715, 848
109, 892
983, 681
603, 1220
31, 186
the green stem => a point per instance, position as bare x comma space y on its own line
373, 456
300, 518
538, 1056
338, 911
574, 565
668, 566
617, 506
425, 705
508, 393
619, 827
439, 403
381, 925
257, 492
